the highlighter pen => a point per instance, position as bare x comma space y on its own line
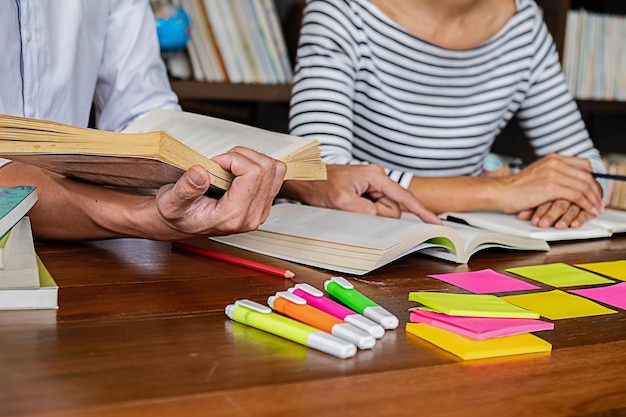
297, 308
263, 318
315, 298
344, 291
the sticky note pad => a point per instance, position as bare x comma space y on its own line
613, 269
484, 281
476, 305
614, 295
466, 348
479, 328
559, 275
558, 304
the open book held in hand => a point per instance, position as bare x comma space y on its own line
604, 225
358, 243
153, 151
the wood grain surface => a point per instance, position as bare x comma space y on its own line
141, 330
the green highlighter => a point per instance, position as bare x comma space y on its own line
344, 291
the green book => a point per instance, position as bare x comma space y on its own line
14, 204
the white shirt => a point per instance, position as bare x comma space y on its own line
60, 56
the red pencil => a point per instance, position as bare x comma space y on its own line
274, 270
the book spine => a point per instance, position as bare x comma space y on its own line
277, 37
266, 38
219, 24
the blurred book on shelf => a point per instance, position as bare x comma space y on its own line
594, 56
236, 41
616, 194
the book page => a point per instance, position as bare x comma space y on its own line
212, 136
510, 224
614, 220
348, 228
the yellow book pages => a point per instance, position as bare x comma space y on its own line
152, 152
148, 159
468, 349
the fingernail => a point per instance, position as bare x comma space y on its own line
196, 178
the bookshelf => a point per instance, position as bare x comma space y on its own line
260, 104
233, 92
555, 16
604, 118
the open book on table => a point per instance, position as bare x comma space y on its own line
604, 225
358, 243
153, 151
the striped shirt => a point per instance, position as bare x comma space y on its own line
371, 92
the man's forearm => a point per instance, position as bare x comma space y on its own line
70, 210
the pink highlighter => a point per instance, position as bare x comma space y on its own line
315, 298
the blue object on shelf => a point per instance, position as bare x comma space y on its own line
172, 24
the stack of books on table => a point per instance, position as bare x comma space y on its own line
25, 283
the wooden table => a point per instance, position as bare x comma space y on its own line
141, 330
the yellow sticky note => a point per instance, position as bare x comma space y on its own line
559, 275
613, 269
466, 348
558, 304
475, 305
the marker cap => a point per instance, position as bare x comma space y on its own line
382, 316
253, 305
330, 344
353, 334
308, 289
365, 324
287, 296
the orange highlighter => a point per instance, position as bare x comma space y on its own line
297, 308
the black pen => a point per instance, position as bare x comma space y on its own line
518, 165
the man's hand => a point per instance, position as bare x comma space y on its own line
184, 207
358, 188
73, 210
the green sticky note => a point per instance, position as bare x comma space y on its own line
558, 304
559, 275
613, 269
474, 305
466, 348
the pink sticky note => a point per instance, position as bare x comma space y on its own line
484, 281
479, 328
613, 295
